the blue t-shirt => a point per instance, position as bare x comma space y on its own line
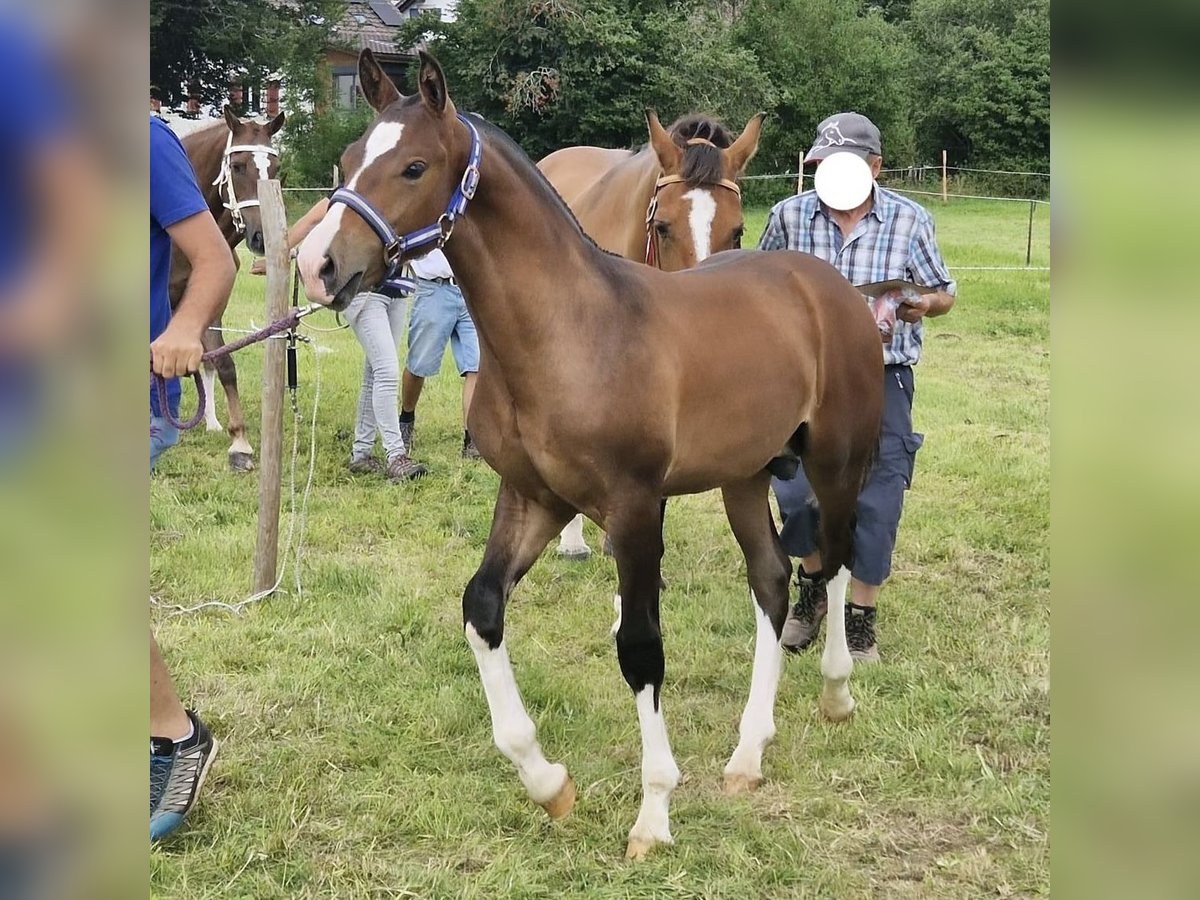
174, 196
34, 115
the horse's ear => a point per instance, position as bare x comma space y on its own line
376, 86
276, 123
232, 120
431, 81
742, 150
670, 156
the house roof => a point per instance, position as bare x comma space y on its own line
363, 25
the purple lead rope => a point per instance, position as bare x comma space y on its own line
287, 323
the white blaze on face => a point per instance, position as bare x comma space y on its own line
704, 210
383, 138
263, 163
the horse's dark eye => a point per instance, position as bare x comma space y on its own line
662, 229
414, 171
239, 168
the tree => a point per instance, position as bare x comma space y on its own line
204, 42
828, 56
561, 72
982, 80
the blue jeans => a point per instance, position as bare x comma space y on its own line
163, 436
378, 321
439, 315
881, 500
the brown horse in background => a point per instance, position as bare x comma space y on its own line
589, 357
671, 204
229, 158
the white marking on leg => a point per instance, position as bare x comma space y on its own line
617, 608
570, 540
836, 662
758, 719
315, 247
513, 730
704, 209
209, 377
660, 775
241, 445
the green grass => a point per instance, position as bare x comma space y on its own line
357, 758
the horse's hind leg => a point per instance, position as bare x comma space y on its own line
636, 529
521, 528
571, 543
836, 478
768, 570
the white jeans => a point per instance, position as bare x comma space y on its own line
378, 323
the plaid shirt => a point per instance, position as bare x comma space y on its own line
894, 240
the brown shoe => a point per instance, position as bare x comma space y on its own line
365, 465
405, 468
860, 633
804, 621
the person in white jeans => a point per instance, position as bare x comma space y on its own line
377, 320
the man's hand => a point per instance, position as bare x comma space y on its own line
259, 266
176, 352
914, 309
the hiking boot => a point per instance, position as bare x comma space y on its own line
405, 468
366, 465
804, 621
860, 633
177, 772
406, 433
470, 451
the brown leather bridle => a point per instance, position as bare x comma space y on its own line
652, 256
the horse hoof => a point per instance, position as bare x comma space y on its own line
639, 848
575, 555
241, 462
741, 784
560, 805
835, 708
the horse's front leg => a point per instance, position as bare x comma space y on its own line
636, 531
521, 529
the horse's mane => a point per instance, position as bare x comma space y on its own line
701, 163
520, 160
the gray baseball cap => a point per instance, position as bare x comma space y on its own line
847, 132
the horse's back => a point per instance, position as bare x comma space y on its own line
573, 170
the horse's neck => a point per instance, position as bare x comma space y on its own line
613, 209
206, 151
521, 258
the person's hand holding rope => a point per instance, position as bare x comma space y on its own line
177, 351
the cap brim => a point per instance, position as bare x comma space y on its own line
818, 154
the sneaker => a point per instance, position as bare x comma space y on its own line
366, 465
804, 621
860, 633
406, 432
177, 771
405, 468
470, 451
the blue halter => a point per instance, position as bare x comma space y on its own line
395, 246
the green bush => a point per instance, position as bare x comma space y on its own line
313, 143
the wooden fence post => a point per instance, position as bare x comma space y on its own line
1029, 241
800, 174
274, 226
945, 199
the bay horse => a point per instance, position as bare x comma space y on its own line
662, 383
229, 158
671, 204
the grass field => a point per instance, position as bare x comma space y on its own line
357, 757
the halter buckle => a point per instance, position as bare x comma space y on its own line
470, 181
446, 226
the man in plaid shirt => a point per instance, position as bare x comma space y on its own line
885, 237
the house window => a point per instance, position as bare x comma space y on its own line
345, 90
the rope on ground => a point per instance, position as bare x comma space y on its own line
297, 554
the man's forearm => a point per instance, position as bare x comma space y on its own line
205, 297
307, 223
940, 303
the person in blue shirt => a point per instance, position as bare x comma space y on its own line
181, 748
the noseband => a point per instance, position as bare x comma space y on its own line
395, 246
651, 237
225, 179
